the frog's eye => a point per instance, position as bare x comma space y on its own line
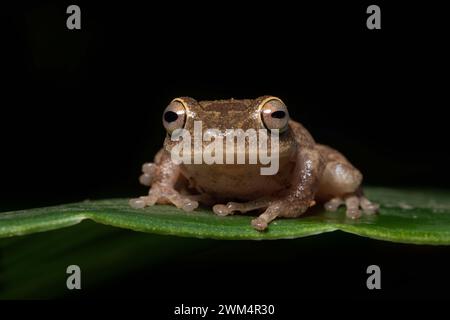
274, 114
174, 117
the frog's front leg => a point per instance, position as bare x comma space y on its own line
300, 196
294, 202
233, 207
162, 175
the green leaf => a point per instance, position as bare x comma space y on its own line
33, 266
407, 216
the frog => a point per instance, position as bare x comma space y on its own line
309, 173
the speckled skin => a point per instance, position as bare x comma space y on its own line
308, 172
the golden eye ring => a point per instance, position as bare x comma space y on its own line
174, 116
274, 114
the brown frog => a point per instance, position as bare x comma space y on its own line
308, 172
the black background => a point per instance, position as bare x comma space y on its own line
81, 110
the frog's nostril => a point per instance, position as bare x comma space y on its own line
170, 116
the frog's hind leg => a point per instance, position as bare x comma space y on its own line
341, 184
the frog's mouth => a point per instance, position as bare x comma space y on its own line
235, 147
267, 163
211, 153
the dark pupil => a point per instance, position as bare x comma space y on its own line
170, 116
278, 114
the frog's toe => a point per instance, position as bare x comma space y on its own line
146, 179
137, 203
142, 202
353, 213
189, 205
333, 204
148, 173
179, 201
259, 224
352, 204
356, 206
367, 206
149, 168
222, 209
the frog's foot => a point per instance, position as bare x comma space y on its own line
148, 173
353, 204
260, 223
286, 208
164, 195
234, 207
